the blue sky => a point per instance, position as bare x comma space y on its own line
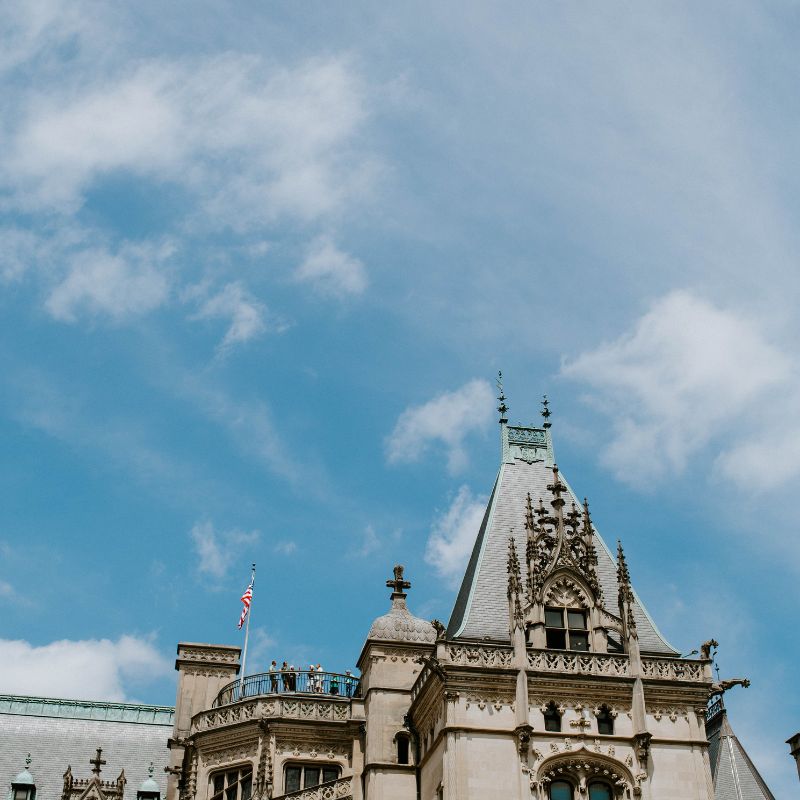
261, 262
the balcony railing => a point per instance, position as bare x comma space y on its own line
340, 789
287, 682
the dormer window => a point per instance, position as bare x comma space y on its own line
566, 629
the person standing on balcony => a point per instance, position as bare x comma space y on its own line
285, 677
320, 679
273, 676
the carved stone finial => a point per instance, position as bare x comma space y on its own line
514, 585
705, 649
398, 584
97, 761
28, 761
625, 596
502, 408
546, 413
150, 770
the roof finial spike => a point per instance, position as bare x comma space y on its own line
150, 770
546, 411
502, 408
28, 761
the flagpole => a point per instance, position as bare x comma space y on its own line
247, 633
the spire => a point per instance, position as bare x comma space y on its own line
514, 586
625, 594
546, 411
502, 408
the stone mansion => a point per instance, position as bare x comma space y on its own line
549, 682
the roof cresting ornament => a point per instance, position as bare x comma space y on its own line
502, 408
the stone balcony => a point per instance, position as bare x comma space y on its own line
324, 708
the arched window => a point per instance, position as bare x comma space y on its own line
402, 748
232, 784
552, 718
600, 791
605, 720
566, 629
561, 790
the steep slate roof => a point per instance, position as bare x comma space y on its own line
481, 608
735, 775
62, 733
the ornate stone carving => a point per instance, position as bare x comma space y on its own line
229, 755
559, 540
578, 663
464, 655
672, 669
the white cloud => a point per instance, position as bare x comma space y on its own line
330, 271
449, 418
216, 551
453, 535
7, 590
91, 669
118, 285
250, 140
248, 316
686, 373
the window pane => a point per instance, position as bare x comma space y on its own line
230, 792
402, 750
556, 639
560, 790
247, 787
605, 722
232, 777
329, 774
579, 641
219, 783
600, 791
576, 619
552, 719
554, 618
311, 777
292, 779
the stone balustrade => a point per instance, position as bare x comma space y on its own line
341, 789
287, 707
579, 663
673, 669
480, 656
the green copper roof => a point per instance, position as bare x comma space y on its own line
86, 709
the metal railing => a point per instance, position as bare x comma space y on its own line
331, 684
340, 789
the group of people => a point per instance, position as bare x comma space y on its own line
288, 679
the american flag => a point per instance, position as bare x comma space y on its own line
247, 598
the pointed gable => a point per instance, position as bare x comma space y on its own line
481, 608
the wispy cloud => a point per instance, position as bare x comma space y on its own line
91, 669
330, 270
216, 550
449, 418
453, 534
248, 316
129, 282
687, 373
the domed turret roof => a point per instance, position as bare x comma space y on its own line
400, 625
